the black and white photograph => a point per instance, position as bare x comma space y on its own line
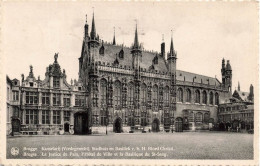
129, 82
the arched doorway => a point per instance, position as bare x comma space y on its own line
178, 125
66, 127
228, 125
222, 127
155, 125
118, 125
81, 123
243, 125
235, 124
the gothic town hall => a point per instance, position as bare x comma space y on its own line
120, 89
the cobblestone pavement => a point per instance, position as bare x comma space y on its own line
186, 145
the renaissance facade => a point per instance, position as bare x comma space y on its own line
121, 89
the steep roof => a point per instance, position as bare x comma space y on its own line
147, 57
110, 52
196, 77
241, 95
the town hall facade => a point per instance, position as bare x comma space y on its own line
121, 89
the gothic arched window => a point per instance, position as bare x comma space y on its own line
102, 50
121, 54
117, 93
103, 83
131, 94
216, 99
199, 117
188, 95
197, 96
155, 95
166, 96
204, 97
211, 98
180, 95
206, 118
143, 94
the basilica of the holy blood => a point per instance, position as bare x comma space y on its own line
122, 89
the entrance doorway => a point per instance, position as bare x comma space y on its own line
222, 127
178, 125
155, 125
81, 123
235, 124
66, 127
118, 125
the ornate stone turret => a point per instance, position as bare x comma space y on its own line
223, 71
172, 57
228, 77
251, 93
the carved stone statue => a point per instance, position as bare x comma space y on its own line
56, 57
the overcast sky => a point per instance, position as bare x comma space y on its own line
203, 33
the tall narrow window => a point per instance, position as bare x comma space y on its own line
66, 116
143, 94
199, 117
56, 99
15, 95
103, 116
211, 98
131, 94
31, 117
155, 95
45, 98
216, 99
103, 92
56, 82
56, 117
66, 100
166, 96
180, 95
45, 117
188, 95
117, 93
143, 118
197, 96
206, 118
204, 97
31, 97
79, 100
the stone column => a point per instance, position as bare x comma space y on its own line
24, 114
24, 98
51, 99
61, 82
61, 99
72, 100
40, 98
62, 117
71, 118
40, 116
51, 117
51, 81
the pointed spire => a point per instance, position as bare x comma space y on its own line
238, 87
136, 43
114, 39
93, 28
171, 48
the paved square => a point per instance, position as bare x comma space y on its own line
186, 145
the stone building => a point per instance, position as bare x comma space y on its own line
121, 89
238, 111
12, 105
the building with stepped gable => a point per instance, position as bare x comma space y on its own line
121, 89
